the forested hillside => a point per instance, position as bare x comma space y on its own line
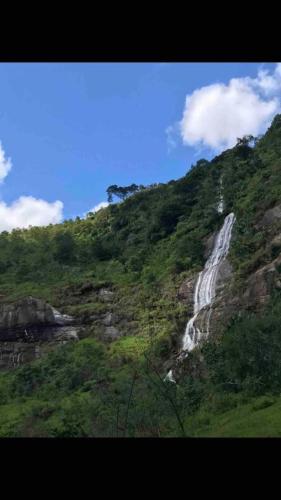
119, 273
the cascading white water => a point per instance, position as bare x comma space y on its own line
220, 207
169, 377
206, 284
205, 291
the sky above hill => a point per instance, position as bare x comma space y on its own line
68, 131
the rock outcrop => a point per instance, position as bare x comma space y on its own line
270, 216
111, 333
30, 312
209, 244
29, 328
105, 295
186, 291
261, 284
257, 289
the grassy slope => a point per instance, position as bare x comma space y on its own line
261, 417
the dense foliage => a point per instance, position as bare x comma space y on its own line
143, 248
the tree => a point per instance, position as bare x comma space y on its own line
202, 163
64, 247
121, 192
245, 141
110, 191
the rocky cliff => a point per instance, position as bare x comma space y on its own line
29, 328
231, 300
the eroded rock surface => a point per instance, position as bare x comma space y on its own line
30, 312
186, 291
110, 319
106, 295
270, 216
111, 333
29, 328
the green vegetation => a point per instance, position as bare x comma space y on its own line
122, 192
86, 389
142, 249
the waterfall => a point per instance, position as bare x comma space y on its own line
220, 206
205, 291
169, 377
205, 288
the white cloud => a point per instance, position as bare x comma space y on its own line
28, 211
215, 115
172, 135
268, 83
5, 164
103, 204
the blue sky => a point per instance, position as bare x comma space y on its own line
71, 130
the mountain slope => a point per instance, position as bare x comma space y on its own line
127, 276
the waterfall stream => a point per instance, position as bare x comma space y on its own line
220, 206
205, 289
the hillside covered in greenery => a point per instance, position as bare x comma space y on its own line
141, 250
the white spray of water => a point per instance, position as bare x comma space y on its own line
220, 207
205, 289
169, 377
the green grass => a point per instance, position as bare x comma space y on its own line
11, 418
247, 420
130, 347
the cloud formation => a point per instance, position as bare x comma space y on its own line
102, 204
28, 211
172, 133
215, 115
5, 164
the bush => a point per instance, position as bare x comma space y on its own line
263, 403
248, 357
64, 251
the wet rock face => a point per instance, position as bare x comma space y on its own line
261, 284
186, 291
229, 300
30, 312
28, 328
193, 366
13, 354
224, 273
259, 287
270, 216
209, 245
106, 295
223, 307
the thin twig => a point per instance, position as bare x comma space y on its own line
128, 403
117, 420
166, 395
